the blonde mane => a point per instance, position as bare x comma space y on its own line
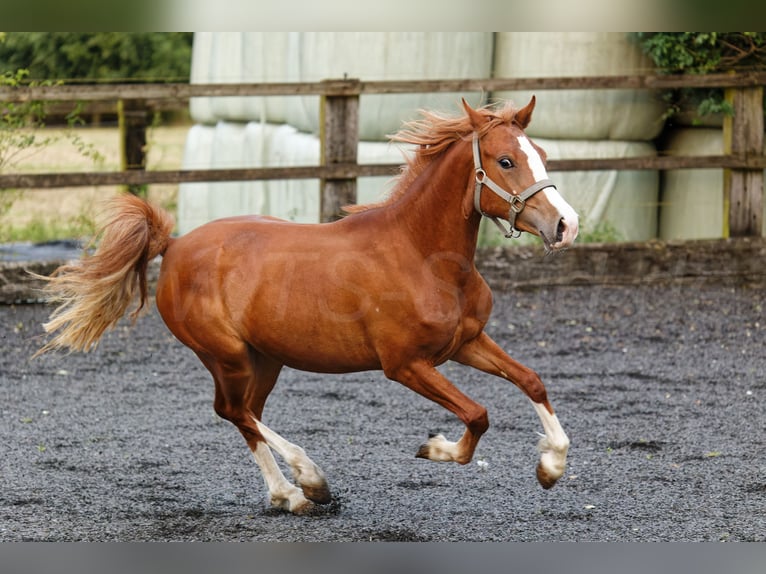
433, 134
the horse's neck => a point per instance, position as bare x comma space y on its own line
433, 208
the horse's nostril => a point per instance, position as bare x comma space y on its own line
560, 230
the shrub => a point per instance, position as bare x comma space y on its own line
703, 53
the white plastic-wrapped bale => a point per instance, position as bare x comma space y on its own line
229, 145
200, 109
692, 199
298, 199
240, 57
193, 197
633, 115
227, 152
254, 195
293, 199
387, 56
374, 189
612, 205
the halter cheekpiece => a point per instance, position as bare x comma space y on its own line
516, 202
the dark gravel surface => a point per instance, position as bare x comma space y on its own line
661, 389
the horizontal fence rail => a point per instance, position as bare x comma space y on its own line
744, 161
348, 171
348, 87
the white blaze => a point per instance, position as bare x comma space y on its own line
535, 163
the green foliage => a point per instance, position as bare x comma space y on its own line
705, 52
15, 138
22, 123
702, 53
48, 58
114, 56
40, 231
601, 232
22, 134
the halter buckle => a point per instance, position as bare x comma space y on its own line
517, 204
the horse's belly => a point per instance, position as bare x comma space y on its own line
309, 345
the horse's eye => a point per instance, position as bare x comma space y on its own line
505, 163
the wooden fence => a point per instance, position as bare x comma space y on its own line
743, 159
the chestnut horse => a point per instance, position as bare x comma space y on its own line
392, 286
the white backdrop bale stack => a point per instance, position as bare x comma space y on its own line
293, 199
692, 199
193, 197
388, 56
301, 56
233, 145
298, 200
578, 124
634, 115
201, 109
223, 146
240, 57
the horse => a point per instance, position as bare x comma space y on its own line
391, 286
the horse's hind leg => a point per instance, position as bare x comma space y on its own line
306, 473
242, 385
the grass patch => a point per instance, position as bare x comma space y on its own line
602, 232
40, 230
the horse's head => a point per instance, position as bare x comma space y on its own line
511, 181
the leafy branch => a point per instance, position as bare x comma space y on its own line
22, 132
702, 53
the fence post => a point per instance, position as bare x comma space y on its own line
743, 188
339, 140
133, 123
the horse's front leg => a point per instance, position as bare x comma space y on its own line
484, 354
424, 379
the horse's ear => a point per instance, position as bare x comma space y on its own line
524, 115
477, 119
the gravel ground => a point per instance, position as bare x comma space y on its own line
660, 388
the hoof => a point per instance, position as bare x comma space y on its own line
439, 449
296, 505
304, 509
319, 494
544, 478
423, 451
430, 448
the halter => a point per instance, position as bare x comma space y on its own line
517, 202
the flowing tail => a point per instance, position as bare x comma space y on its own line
94, 292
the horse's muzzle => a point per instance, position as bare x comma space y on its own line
562, 235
